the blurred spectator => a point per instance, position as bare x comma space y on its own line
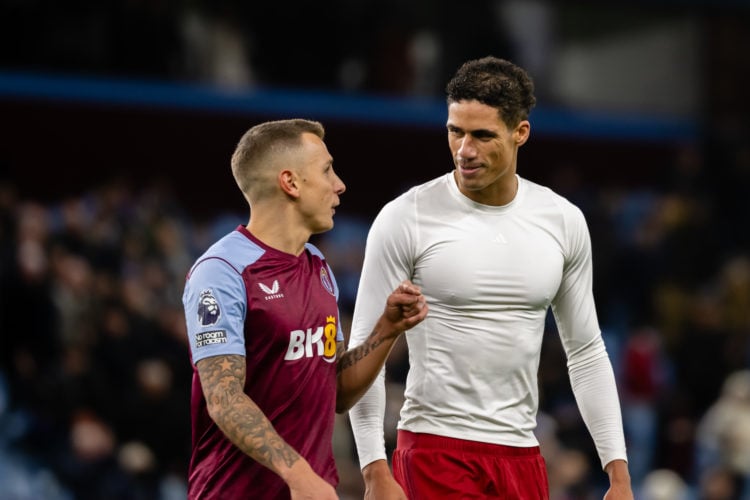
718, 483
723, 435
705, 337
216, 50
643, 377
664, 484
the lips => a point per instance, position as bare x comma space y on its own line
469, 169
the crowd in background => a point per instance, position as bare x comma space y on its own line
95, 372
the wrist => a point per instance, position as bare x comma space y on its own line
299, 469
618, 471
376, 470
385, 330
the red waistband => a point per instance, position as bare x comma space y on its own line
413, 440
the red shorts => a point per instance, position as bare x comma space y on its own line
430, 467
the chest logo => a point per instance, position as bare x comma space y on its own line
271, 292
313, 342
325, 280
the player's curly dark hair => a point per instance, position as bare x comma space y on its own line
495, 82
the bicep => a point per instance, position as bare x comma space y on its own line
388, 260
574, 305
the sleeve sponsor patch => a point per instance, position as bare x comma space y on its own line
210, 338
209, 311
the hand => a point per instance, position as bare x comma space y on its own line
305, 484
380, 484
386, 489
325, 492
406, 307
619, 492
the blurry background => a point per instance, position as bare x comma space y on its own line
118, 121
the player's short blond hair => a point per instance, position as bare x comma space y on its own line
263, 147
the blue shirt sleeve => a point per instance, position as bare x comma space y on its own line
215, 307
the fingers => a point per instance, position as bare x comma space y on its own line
412, 303
406, 305
408, 287
415, 316
414, 306
407, 296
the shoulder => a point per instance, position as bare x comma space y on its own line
314, 251
544, 197
408, 201
436, 187
235, 250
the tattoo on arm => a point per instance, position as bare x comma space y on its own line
353, 356
223, 380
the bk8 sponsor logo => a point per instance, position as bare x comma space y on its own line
316, 341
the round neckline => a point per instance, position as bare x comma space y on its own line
491, 209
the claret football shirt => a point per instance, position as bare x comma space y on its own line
280, 312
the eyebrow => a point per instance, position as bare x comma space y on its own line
480, 132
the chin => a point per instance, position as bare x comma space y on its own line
471, 184
322, 228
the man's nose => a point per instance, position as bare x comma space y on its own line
340, 186
467, 149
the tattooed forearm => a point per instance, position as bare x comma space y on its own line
223, 379
351, 357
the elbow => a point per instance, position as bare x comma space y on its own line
346, 399
347, 394
343, 403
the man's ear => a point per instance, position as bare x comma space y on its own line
521, 134
289, 183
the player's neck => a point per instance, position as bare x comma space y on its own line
279, 235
